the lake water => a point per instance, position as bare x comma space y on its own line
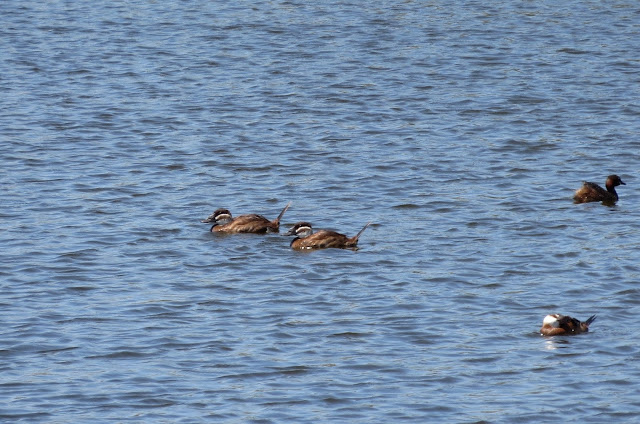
459, 129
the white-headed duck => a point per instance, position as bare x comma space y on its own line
556, 324
307, 239
250, 223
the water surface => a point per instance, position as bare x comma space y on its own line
460, 130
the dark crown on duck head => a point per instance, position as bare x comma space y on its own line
613, 181
218, 216
300, 229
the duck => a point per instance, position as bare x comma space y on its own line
592, 192
557, 324
307, 239
223, 221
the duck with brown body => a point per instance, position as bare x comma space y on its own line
592, 192
557, 324
250, 223
323, 239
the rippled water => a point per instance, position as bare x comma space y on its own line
460, 129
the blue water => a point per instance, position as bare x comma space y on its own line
460, 129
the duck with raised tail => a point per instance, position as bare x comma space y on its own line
557, 324
323, 239
250, 223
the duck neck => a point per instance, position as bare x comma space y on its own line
223, 221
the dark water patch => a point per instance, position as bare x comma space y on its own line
572, 51
122, 354
25, 415
349, 335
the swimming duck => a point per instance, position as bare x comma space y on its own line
307, 239
250, 223
592, 192
556, 324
